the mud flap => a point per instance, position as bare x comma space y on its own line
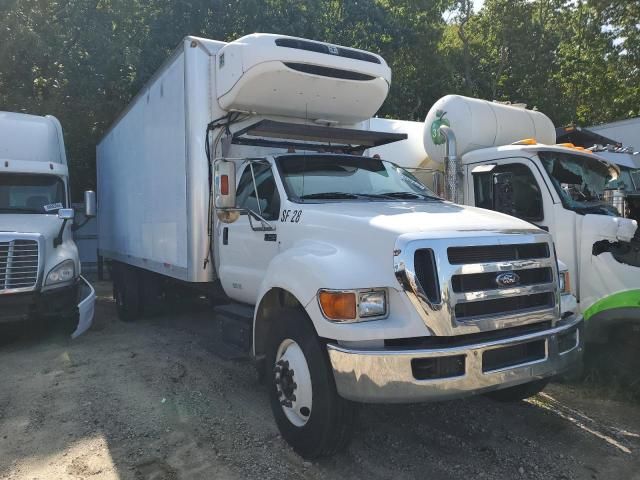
86, 307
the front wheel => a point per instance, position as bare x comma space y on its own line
519, 392
310, 414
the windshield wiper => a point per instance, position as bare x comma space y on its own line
328, 196
408, 195
20, 209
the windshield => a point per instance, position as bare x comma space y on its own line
626, 181
30, 193
635, 177
336, 177
580, 181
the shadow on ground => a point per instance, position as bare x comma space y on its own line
152, 400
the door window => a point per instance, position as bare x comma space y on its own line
525, 191
263, 198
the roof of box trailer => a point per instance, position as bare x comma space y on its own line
206, 44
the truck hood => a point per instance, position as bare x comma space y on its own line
46, 225
432, 219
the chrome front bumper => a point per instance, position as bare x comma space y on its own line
387, 375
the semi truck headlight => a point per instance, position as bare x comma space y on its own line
565, 283
63, 272
353, 306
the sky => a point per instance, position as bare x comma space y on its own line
477, 4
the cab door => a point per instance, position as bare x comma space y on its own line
247, 246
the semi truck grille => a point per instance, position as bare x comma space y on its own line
18, 264
497, 253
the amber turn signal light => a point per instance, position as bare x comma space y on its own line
224, 184
338, 305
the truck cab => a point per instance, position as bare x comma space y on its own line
39, 262
504, 158
561, 190
466, 302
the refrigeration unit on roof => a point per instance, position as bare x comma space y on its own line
286, 76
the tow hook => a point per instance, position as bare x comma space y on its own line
285, 384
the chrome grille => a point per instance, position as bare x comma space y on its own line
19, 261
459, 285
477, 290
497, 253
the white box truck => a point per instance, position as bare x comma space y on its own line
504, 158
239, 168
39, 262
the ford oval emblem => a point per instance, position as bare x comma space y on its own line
508, 279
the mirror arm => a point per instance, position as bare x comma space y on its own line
58, 240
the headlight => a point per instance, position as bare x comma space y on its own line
565, 283
63, 272
372, 303
353, 306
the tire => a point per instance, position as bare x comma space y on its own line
519, 392
126, 293
328, 425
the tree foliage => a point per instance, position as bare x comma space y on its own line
83, 60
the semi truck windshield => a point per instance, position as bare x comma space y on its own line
580, 180
334, 177
28, 193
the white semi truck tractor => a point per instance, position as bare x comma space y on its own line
39, 262
239, 169
504, 158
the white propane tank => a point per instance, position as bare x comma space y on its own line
481, 124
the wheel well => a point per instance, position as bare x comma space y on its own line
274, 299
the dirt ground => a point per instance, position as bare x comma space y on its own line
151, 400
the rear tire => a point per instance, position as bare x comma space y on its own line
126, 292
311, 416
519, 392
151, 293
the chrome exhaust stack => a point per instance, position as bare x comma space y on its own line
453, 172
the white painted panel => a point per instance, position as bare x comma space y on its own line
142, 178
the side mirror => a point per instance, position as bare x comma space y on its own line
224, 186
66, 214
90, 209
503, 193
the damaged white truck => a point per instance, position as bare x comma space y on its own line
504, 158
238, 170
39, 262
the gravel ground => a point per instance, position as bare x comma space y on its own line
151, 400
